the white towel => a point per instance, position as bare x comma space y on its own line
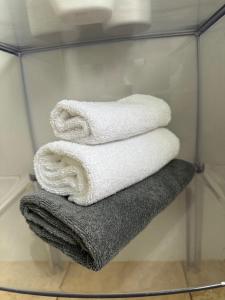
88, 174
129, 16
101, 122
43, 20
83, 12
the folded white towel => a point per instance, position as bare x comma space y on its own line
101, 122
88, 174
82, 12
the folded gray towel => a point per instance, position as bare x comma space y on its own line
93, 235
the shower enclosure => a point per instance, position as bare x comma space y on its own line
179, 57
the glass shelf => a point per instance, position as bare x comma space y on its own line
29, 24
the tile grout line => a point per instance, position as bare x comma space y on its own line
63, 278
186, 280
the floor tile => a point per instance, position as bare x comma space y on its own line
218, 294
127, 277
209, 272
29, 275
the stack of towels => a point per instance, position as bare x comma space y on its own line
114, 170
50, 17
112, 13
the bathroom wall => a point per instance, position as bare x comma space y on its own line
212, 92
212, 70
15, 144
162, 67
182, 14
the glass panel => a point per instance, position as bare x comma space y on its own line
32, 23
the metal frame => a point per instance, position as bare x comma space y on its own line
9, 49
211, 21
194, 200
20, 51
199, 163
116, 295
27, 106
109, 40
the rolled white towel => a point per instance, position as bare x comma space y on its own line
43, 21
88, 174
129, 16
83, 12
101, 122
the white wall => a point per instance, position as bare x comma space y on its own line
162, 67
213, 93
212, 88
15, 143
182, 14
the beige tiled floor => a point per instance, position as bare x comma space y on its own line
208, 273
127, 277
29, 275
218, 294
116, 277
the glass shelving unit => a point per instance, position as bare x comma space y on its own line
186, 256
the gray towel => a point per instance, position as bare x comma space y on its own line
93, 235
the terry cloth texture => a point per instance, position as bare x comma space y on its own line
93, 235
88, 174
101, 122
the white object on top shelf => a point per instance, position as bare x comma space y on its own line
215, 179
84, 12
11, 187
129, 16
44, 21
